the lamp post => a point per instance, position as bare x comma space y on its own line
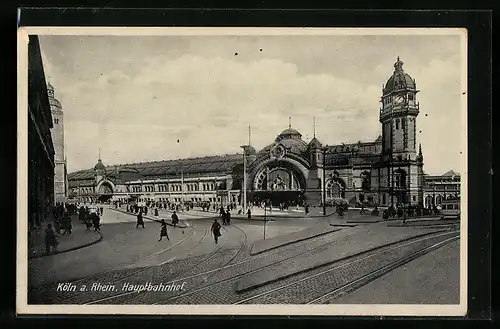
244, 147
265, 218
324, 150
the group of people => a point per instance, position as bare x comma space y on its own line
62, 221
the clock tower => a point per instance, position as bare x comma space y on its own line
401, 168
398, 114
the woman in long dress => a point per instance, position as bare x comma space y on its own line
163, 231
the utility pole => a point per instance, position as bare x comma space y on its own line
244, 187
324, 182
265, 218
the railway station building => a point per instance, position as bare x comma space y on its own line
387, 170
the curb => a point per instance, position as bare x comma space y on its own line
343, 225
292, 242
151, 219
70, 249
240, 290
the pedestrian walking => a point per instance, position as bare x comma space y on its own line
67, 223
57, 226
50, 239
140, 220
175, 219
95, 220
156, 212
163, 230
249, 214
228, 218
216, 230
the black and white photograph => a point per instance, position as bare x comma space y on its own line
242, 171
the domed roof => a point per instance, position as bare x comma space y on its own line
289, 133
399, 80
52, 100
99, 165
314, 144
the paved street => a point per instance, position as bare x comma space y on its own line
212, 272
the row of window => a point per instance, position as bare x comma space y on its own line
173, 188
218, 199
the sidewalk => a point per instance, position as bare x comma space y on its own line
79, 238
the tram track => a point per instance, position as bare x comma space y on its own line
344, 276
221, 291
131, 297
125, 271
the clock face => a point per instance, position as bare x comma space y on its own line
277, 151
399, 99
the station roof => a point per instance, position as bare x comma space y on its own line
201, 165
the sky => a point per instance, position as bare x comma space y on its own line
134, 97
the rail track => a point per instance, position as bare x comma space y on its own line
133, 296
345, 276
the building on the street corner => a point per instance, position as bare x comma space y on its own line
440, 188
385, 171
57, 132
40, 147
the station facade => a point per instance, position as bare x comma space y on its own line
385, 171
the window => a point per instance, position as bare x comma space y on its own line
410, 97
414, 198
397, 123
56, 121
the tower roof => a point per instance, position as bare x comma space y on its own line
399, 80
99, 165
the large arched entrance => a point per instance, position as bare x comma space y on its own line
104, 190
279, 182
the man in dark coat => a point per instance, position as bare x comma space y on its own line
140, 220
163, 230
95, 221
249, 214
216, 230
175, 219
50, 238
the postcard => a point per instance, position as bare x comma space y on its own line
242, 171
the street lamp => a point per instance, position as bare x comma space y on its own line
324, 150
244, 147
265, 218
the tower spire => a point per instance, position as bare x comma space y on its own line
249, 135
99, 153
314, 126
289, 122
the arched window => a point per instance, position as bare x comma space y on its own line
397, 123
400, 178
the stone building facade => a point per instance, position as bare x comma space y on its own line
40, 148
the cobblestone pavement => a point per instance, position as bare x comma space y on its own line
434, 277
225, 293
313, 286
